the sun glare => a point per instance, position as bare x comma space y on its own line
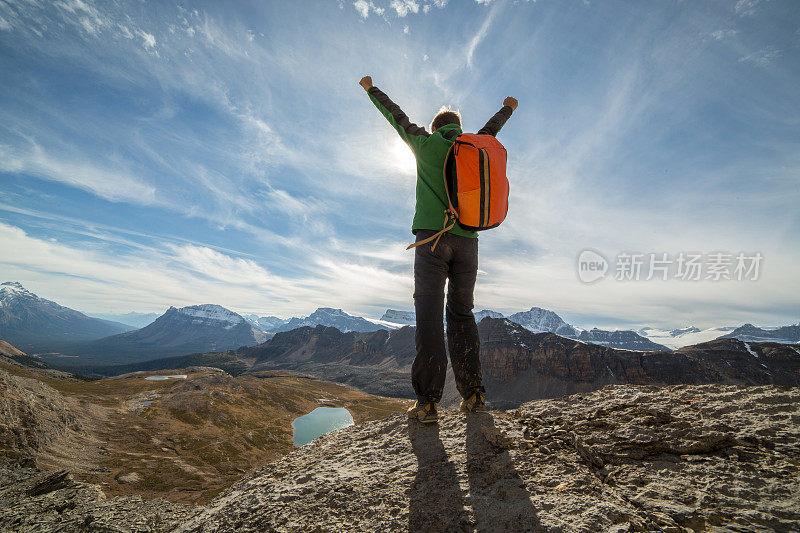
403, 157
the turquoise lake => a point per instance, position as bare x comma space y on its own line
318, 422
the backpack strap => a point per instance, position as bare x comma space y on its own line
449, 212
445, 229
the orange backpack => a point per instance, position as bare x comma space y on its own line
476, 185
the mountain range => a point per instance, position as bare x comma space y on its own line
323, 316
195, 328
751, 333
517, 364
538, 320
42, 325
35, 324
268, 324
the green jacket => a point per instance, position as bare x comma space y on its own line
430, 150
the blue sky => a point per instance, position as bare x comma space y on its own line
157, 153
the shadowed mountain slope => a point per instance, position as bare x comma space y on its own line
179, 331
35, 324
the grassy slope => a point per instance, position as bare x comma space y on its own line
198, 436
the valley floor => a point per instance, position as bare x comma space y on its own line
181, 440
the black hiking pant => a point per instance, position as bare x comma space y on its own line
455, 259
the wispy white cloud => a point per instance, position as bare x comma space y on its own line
723, 34
148, 39
189, 274
114, 184
364, 7
404, 7
762, 57
222, 267
84, 15
108, 234
746, 8
478, 38
260, 137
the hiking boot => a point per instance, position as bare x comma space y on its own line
423, 412
474, 403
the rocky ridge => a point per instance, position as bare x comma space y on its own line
32, 416
625, 458
53, 501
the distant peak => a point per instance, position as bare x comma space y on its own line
212, 312
207, 307
14, 288
329, 311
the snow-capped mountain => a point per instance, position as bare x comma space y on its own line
265, 323
36, 324
751, 333
210, 315
399, 317
540, 320
680, 337
622, 339
480, 315
133, 319
179, 331
336, 318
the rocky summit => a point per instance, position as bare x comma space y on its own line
624, 458
684, 458
621, 459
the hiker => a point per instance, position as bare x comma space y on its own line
453, 256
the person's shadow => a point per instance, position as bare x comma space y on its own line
497, 494
500, 501
436, 502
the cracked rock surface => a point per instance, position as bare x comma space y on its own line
53, 501
624, 458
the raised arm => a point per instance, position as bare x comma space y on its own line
412, 134
496, 122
